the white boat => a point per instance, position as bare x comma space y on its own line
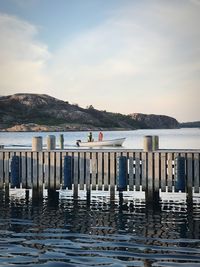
113, 142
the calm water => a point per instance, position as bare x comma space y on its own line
64, 232
169, 139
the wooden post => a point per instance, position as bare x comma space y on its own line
61, 141
37, 143
147, 143
155, 142
51, 142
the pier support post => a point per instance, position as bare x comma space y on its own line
155, 142
148, 142
37, 143
61, 141
51, 142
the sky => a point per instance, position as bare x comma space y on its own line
125, 56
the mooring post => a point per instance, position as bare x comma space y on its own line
61, 141
155, 142
37, 143
148, 143
51, 142
15, 172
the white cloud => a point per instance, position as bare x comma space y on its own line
138, 60
23, 58
143, 58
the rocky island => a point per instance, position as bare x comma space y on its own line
38, 112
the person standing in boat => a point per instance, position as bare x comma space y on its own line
100, 137
90, 137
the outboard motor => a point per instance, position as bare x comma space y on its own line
77, 142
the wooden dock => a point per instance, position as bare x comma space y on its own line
97, 169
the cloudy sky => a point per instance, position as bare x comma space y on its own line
118, 55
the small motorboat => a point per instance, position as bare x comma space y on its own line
113, 142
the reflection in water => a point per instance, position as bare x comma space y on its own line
71, 233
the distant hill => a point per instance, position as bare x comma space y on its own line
194, 124
153, 121
37, 112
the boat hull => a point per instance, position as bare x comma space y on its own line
114, 142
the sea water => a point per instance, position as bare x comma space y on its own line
168, 139
68, 232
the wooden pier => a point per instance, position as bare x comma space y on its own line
97, 169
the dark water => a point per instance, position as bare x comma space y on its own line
65, 232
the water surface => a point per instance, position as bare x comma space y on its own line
65, 232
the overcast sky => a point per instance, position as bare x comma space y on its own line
118, 55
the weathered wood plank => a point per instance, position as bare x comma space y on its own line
163, 171
112, 176
106, 172
35, 170
46, 169
189, 173
130, 176
24, 168
58, 170
137, 171
150, 178
94, 171
144, 170
87, 174
82, 170
156, 171
52, 171
40, 171
1, 170
170, 157
7, 168
100, 172
196, 173
29, 170
76, 172
63, 154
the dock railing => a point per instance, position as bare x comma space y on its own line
99, 169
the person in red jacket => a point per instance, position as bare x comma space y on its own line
100, 136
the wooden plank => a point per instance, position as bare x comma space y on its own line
18, 154
112, 175
196, 173
76, 172
137, 171
176, 155
40, 171
1, 170
6, 168
163, 171
58, 170
29, 170
130, 176
170, 157
150, 178
24, 168
35, 170
189, 172
52, 171
156, 171
94, 171
100, 168
82, 170
63, 154
46, 169
144, 171
87, 173
106, 173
